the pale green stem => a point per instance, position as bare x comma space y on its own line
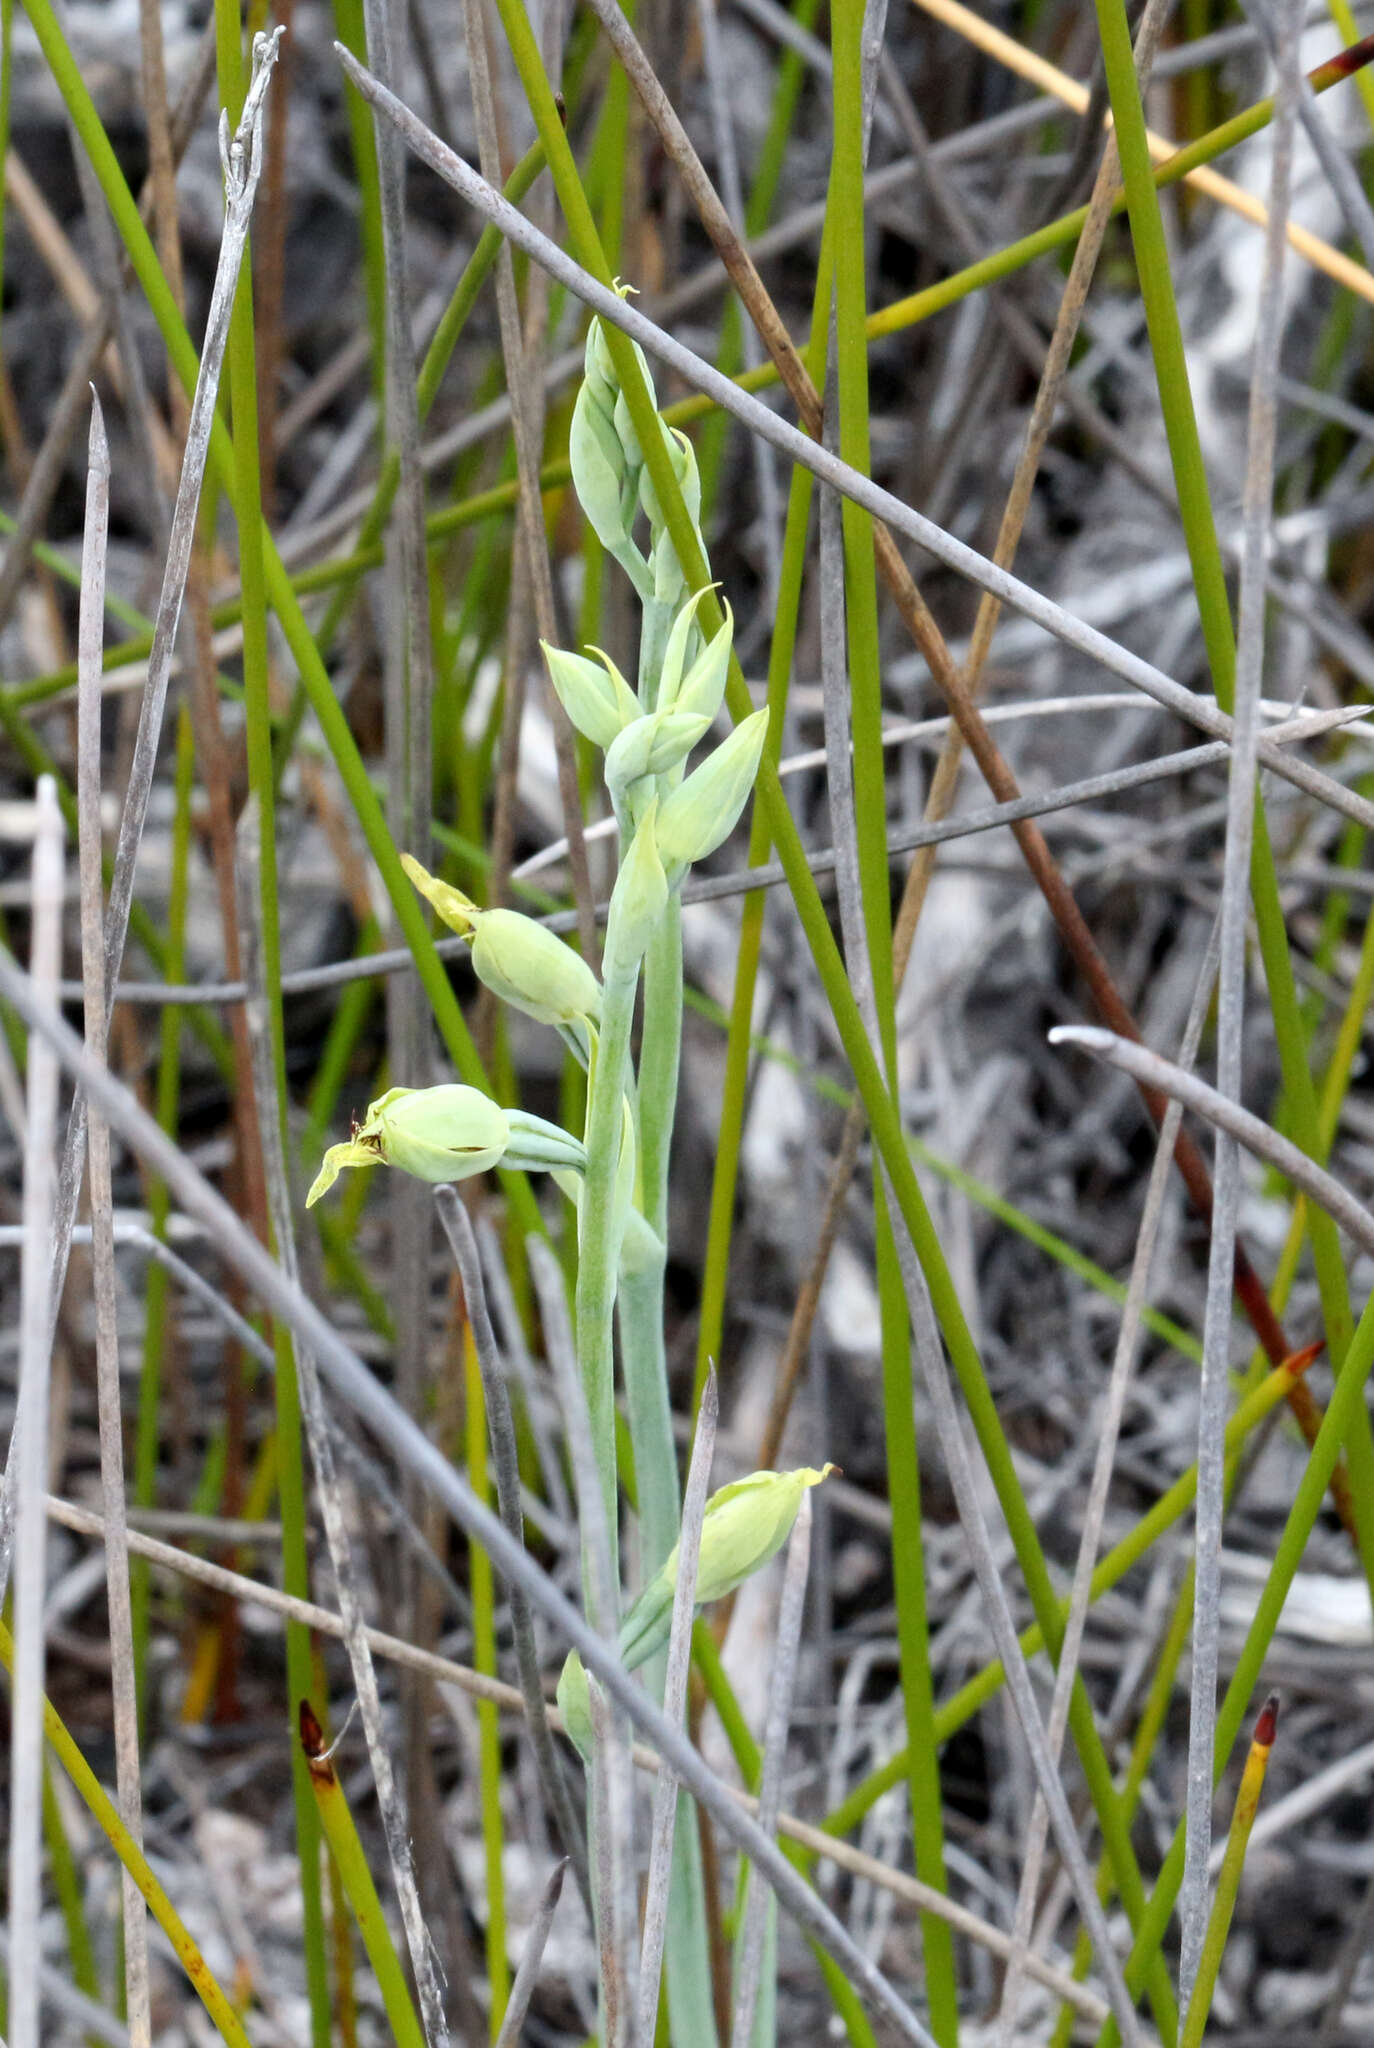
597, 1247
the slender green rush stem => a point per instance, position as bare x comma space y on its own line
350, 1860
870, 812
247, 500
105, 1815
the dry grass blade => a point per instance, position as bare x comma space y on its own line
1107, 1430
29, 1450
527, 1976
90, 637
674, 1707
935, 1374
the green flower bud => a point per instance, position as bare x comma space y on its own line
519, 960
745, 1525
437, 1134
601, 476
594, 694
575, 1705
533, 969
447, 1133
703, 811
638, 899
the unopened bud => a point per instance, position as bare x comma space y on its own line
745, 1525
594, 694
517, 958
437, 1134
653, 745
703, 811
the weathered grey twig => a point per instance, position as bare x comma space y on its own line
29, 1451
674, 1706
389, 1800
90, 638
758, 1903
241, 159
1193, 1901
506, 1465
798, 447
527, 1976
1248, 1130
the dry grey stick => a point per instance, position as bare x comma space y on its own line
798, 447
1248, 1130
241, 161
320, 1437
90, 640
1193, 1902
500, 1295
1108, 1429
29, 1445
407, 1442
674, 1706
758, 1902
527, 1976
506, 1464
611, 1847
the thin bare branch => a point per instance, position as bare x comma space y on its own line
29, 1447
527, 1976
1193, 1901
390, 1803
90, 636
